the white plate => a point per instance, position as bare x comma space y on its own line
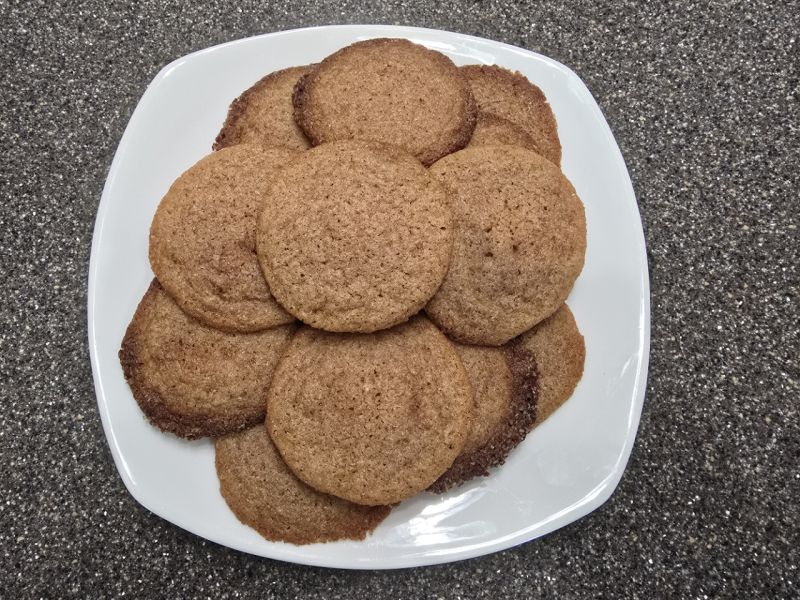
565, 469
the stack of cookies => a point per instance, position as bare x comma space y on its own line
360, 292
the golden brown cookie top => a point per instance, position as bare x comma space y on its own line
519, 244
559, 351
370, 418
391, 91
492, 130
504, 383
202, 239
193, 380
510, 95
264, 115
355, 236
264, 494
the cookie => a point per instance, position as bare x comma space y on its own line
371, 418
559, 351
264, 114
391, 91
193, 380
519, 244
504, 383
355, 236
202, 239
264, 494
492, 130
510, 95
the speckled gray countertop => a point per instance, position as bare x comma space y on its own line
703, 99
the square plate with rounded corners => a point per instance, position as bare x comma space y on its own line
565, 469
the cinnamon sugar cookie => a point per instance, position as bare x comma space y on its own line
391, 91
355, 236
193, 380
202, 239
519, 244
370, 418
263, 493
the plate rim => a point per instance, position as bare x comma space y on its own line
287, 552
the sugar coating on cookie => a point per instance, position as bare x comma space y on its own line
504, 384
264, 494
492, 130
264, 115
559, 351
391, 91
355, 236
202, 239
519, 244
371, 418
509, 94
193, 380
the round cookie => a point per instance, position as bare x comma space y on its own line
193, 380
371, 418
264, 494
559, 351
492, 130
519, 244
391, 91
202, 239
355, 236
264, 114
510, 95
504, 383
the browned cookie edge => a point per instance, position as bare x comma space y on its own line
521, 417
151, 402
299, 102
571, 349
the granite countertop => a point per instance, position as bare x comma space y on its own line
703, 99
